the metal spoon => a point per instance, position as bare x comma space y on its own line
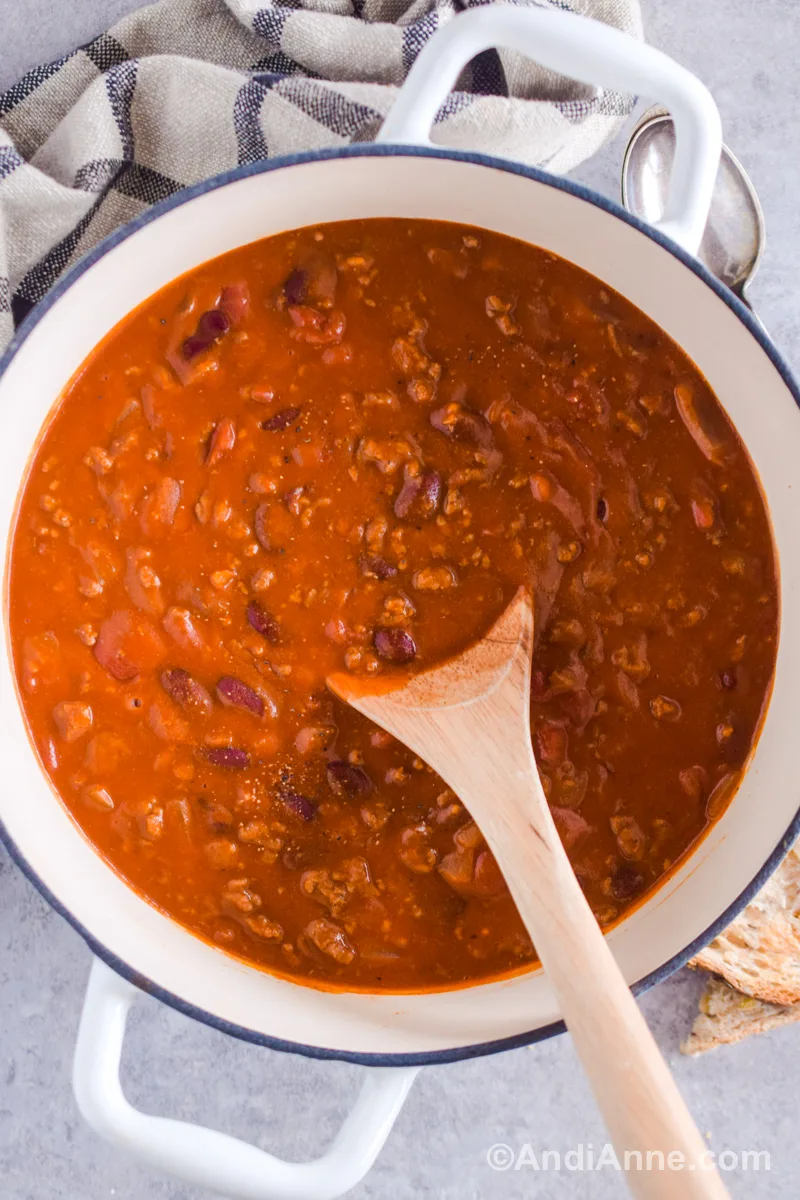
734, 239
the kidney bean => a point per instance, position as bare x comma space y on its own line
570, 825
234, 300
293, 500
456, 868
210, 328
419, 496
322, 277
185, 690
487, 879
337, 631
395, 645
127, 644
219, 818
551, 741
626, 882
233, 758
296, 287
406, 496
223, 439
348, 780
235, 694
260, 525
101, 462
298, 804
263, 622
262, 395
721, 795
141, 582
376, 567
694, 781
160, 505
462, 424
578, 707
313, 281
281, 420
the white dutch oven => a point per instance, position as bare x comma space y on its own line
404, 176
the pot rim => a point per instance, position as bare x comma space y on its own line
581, 192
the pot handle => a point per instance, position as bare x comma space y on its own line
594, 53
204, 1157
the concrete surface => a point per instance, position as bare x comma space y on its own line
745, 1096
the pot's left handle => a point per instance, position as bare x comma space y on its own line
204, 1157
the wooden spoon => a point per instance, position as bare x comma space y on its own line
470, 720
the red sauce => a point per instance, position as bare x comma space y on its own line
346, 448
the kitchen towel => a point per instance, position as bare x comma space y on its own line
184, 89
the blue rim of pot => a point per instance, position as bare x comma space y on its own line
457, 1053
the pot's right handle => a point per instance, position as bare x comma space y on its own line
206, 1158
593, 53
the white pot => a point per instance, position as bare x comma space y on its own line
649, 268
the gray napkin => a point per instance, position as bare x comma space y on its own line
185, 89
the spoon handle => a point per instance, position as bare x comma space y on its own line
643, 1109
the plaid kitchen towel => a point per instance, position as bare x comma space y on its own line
185, 89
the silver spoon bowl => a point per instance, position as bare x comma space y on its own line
734, 238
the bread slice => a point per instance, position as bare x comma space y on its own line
727, 1016
759, 952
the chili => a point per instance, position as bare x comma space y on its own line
347, 447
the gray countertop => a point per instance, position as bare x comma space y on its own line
743, 1097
